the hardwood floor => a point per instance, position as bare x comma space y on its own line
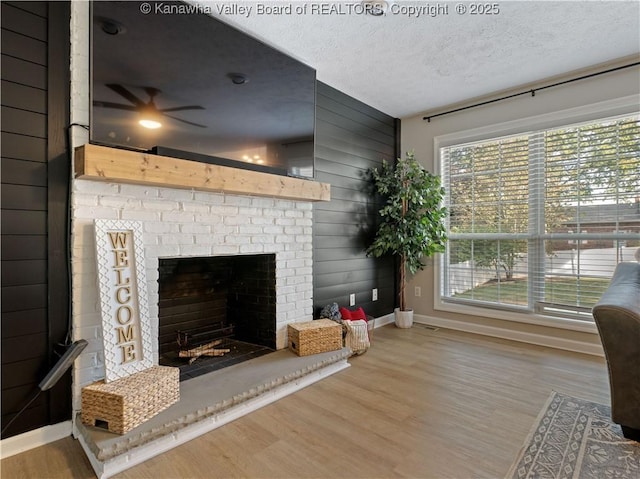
419, 404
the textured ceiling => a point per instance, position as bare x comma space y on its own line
404, 64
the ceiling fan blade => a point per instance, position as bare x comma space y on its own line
123, 92
117, 106
185, 121
181, 108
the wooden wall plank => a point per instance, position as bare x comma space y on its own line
330, 100
18, 19
24, 72
35, 180
351, 137
18, 172
15, 222
34, 417
16, 398
37, 8
23, 197
58, 185
24, 247
20, 323
25, 297
22, 373
25, 347
24, 98
24, 122
15, 147
24, 47
362, 126
16, 273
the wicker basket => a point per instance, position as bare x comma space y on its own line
314, 337
128, 402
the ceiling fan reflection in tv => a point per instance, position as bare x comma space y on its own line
150, 114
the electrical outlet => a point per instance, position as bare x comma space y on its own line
352, 299
417, 291
374, 294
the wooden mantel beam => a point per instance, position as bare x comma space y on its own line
101, 163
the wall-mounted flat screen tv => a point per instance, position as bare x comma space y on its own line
170, 79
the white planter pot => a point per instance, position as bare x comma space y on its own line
404, 319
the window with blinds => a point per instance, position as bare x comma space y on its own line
538, 221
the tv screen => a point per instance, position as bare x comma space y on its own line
202, 89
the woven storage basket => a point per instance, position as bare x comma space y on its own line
128, 402
314, 337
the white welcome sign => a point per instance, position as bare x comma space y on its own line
126, 330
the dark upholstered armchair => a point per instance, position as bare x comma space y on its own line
617, 316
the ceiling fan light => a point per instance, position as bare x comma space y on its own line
149, 123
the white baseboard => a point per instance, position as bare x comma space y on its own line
32, 439
506, 333
384, 320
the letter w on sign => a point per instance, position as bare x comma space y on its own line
118, 239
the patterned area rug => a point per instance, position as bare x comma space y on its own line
575, 439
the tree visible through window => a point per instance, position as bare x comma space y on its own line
539, 221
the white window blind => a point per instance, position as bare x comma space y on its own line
538, 221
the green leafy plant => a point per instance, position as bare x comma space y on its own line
412, 218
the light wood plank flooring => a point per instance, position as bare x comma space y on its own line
419, 404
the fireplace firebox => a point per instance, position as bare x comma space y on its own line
215, 311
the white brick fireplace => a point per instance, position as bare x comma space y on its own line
187, 223
178, 222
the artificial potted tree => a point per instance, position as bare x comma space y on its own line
411, 221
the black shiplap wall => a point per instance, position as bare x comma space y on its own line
34, 192
351, 137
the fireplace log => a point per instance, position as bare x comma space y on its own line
197, 352
193, 355
207, 349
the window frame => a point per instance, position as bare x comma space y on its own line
595, 112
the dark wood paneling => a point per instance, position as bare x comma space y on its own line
35, 180
23, 17
26, 347
18, 172
351, 142
18, 273
24, 47
20, 323
23, 97
59, 164
29, 372
364, 263
24, 247
34, 417
24, 222
14, 147
38, 9
21, 197
357, 213
23, 72
20, 298
351, 138
16, 398
24, 122
347, 124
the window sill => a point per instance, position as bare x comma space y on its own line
526, 318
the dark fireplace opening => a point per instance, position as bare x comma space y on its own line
215, 311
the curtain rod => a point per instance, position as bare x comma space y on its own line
531, 92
